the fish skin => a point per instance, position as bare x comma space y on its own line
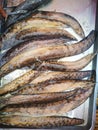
37, 43
40, 78
76, 75
51, 109
29, 5
56, 85
31, 31
47, 53
59, 16
65, 18
18, 82
39, 122
68, 65
34, 98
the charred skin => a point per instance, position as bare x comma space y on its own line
53, 76
29, 5
68, 65
18, 82
34, 44
58, 16
35, 98
47, 53
64, 18
39, 122
35, 32
51, 109
53, 86
43, 79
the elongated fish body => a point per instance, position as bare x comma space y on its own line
28, 6
34, 27
53, 86
18, 82
65, 18
39, 122
51, 109
68, 65
35, 98
41, 78
37, 43
50, 76
47, 53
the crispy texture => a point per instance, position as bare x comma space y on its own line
55, 85
18, 82
68, 65
40, 78
58, 16
34, 44
51, 109
64, 18
53, 76
39, 122
47, 53
37, 32
35, 98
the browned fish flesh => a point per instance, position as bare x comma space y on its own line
50, 76
40, 79
47, 53
39, 122
37, 43
34, 28
18, 82
51, 109
35, 98
68, 65
64, 18
53, 86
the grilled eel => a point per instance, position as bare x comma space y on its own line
47, 53
37, 43
58, 16
53, 108
34, 98
22, 80
67, 65
28, 7
39, 122
53, 86
41, 78
31, 28
64, 18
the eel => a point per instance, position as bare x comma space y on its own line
53, 108
47, 53
41, 77
34, 32
37, 43
39, 122
53, 76
55, 85
29, 6
68, 65
20, 81
59, 16
35, 98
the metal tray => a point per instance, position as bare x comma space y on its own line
86, 12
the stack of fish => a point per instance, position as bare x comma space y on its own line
40, 97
